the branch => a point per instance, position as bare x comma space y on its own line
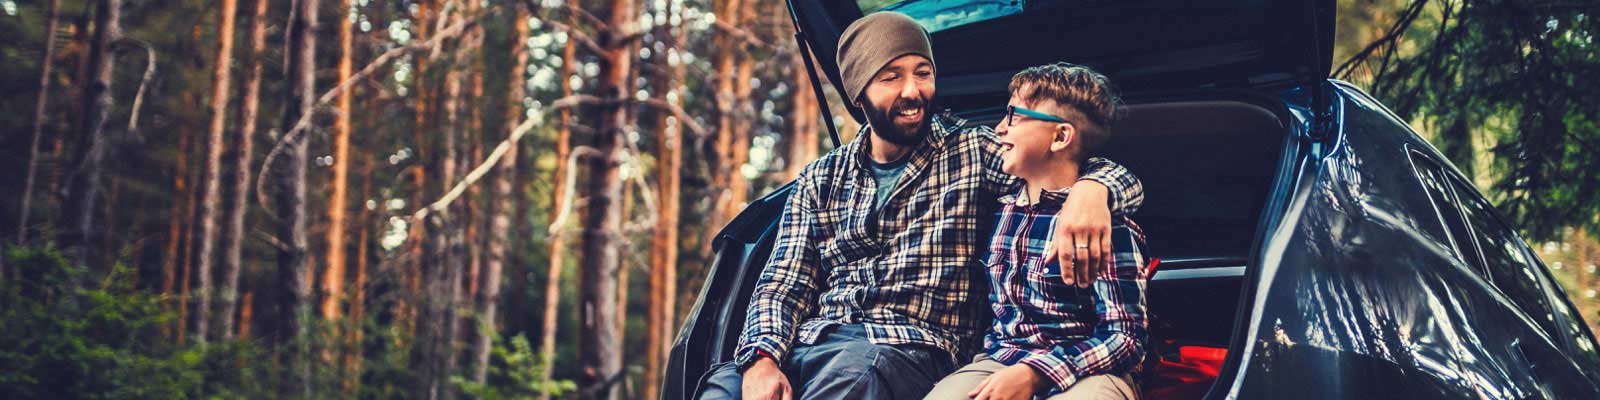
567, 192
740, 33
1388, 39
294, 134
477, 173
494, 156
578, 37
683, 116
149, 74
270, 240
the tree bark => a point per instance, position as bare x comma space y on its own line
85, 184
723, 174
505, 201
333, 275
406, 308
600, 344
212, 195
289, 197
664, 237
552, 289
239, 192
432, 357
803, 117
173, 256
358, 294
39, 121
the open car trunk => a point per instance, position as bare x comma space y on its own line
1208, 165
1208, 169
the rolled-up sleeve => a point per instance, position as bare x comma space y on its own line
1124, 192
787, 285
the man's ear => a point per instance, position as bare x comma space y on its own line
1063, 137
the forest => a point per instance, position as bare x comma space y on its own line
517, 198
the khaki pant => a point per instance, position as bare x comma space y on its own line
957, 384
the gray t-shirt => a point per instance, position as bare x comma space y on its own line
887, 175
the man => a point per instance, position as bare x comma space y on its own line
870, 290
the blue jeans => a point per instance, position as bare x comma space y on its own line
844, 365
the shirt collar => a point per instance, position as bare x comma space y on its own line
1048, 200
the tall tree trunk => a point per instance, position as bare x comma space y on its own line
358, 295
239, 192
212, 196
803, 118
552, 288
664, 238
727, 47
245, 311
85, 185
289, 197
432, 357
600, 345
173, 256
333, 276
406, 309
191, 205
504, 200
39, 121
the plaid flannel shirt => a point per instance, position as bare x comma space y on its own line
1064, 332
906, 272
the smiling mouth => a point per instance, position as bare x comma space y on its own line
909, 113
1005, 147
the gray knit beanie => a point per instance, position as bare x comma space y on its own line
872, 42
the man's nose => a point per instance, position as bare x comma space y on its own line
908, 90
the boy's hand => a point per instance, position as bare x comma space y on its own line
1014, 382
764, 381
1083, 233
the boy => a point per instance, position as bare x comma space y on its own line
1045, 340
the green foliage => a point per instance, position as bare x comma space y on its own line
64, 336
1510, 74
514, 373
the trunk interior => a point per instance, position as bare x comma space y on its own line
1208, 169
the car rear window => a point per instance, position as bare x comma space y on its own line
938, 15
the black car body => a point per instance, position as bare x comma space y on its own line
1302, 227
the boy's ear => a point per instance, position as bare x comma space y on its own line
1063, 137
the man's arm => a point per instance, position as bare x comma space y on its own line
784, 293
1117, 345
1083, 226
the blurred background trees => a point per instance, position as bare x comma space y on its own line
515, 199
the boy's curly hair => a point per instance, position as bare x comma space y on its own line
1091, 102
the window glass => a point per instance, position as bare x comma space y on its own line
1456, 231
1520, 275
1508, 267
938, 15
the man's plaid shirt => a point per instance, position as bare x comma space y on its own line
906, 272
1064, 332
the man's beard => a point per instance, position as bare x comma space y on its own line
882, 121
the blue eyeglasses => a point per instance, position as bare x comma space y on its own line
1012, 111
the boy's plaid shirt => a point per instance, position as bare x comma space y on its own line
1064, 332
909, 273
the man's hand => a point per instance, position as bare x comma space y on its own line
1083, 233
764, 381
1014, 382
